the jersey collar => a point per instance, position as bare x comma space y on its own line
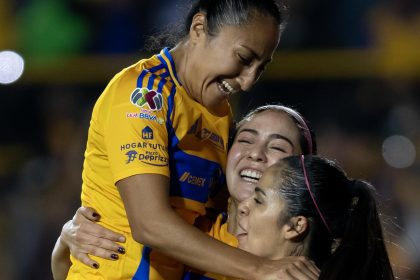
166, 58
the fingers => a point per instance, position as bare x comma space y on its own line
85, 218
84, 258
99, 240
302, 269
96, 251
313, 268
99, 232
85, 237
86, 213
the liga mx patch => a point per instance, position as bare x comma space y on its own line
143, 97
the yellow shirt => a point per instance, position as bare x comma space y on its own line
220, 232
145, 122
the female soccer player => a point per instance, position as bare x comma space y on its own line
264, 136
157, 144
307, 206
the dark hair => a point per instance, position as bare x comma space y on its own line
307, 139
218, 14
340, 210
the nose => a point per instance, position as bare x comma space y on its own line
248, 79
257, 153
243, 208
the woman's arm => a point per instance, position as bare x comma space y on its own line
155, 224
60, 260
82, 236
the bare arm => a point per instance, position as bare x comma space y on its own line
155, 224
60, 261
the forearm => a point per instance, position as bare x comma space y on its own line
192, 247
185, 243
154, 223
60, 260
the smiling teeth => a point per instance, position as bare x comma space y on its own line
251, 175
227, 86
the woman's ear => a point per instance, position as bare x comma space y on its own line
296, 228
197, 28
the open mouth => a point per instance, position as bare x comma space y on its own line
226, 87
249, 175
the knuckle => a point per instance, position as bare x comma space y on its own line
97, 242
78, 237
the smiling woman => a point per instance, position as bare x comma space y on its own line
254, 155
307, 206
168, 101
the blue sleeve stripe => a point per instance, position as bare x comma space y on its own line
151, 82
169, 57
172, 139
157, 68
161, 59
160, 85
164, 75
141, 78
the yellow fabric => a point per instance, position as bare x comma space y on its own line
219, 231
164, 132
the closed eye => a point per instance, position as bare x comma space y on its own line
279, 149
257, 201
244, 140
244, 60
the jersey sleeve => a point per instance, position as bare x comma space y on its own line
135, 131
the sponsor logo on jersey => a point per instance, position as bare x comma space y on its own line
147, 133
145, 114
203, 133
147, 157
143, 97
143, 145
193, 180
131, 156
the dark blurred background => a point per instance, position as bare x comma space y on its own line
351, 67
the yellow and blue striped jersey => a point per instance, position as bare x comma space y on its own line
145, 122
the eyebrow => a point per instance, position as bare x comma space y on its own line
275, 135
258, 189
255, 54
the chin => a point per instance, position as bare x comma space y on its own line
244, 194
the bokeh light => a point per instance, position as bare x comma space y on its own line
11, 67
398, 151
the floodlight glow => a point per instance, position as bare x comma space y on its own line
398, 151
11, 67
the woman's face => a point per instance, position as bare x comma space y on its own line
262, 141
231, 61
259, 230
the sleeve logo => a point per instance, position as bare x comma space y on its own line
142, 97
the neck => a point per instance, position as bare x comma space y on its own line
294, 248
180, 56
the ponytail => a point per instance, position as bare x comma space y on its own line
361, 253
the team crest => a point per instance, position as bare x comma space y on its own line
142, 97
